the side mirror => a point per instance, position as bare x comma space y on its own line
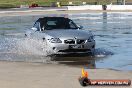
80, 27
33, 28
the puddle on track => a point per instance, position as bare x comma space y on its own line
113, 35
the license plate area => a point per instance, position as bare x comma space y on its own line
76, 46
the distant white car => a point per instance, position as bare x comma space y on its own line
62, 35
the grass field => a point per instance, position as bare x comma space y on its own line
17, 3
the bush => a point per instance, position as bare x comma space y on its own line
5, 6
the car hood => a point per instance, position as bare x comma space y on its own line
68, 33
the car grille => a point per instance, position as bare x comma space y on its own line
73, 41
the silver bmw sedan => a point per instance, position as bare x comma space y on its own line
62, 35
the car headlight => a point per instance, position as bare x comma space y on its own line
55, 40
91, 38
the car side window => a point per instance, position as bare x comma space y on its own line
37, 25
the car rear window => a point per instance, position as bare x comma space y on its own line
51, 23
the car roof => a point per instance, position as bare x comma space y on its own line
48, 18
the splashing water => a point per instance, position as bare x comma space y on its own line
99, 52
31, 46
22, 49
21, 46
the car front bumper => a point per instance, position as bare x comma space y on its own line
60, 48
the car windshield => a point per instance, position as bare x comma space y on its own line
58, 23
